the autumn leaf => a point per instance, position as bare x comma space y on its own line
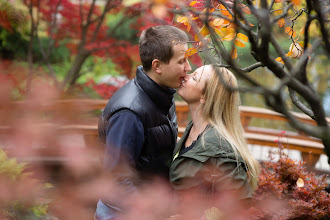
203, 32
300, 183
196, 4
230, 30
301, 43
185, 21
218, 22
191, 4
290, 31
278, 12
128, 3
219, 31
281, 22
182, 19
239, 42
233, 53
296, 2
232, 26
296, 50
223, 10
190, 51
252, 25
279, 59
243, 37
229, 37
278, 1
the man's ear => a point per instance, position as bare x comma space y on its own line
155, 65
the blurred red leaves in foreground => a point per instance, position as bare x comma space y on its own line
62, 175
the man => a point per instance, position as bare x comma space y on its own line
138, 125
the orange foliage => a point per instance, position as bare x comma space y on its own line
281, 22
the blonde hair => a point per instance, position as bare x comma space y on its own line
222, 111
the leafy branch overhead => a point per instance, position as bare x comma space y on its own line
260, 24
221, 27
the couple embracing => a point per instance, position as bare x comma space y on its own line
139, 129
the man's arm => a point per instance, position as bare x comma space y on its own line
124, 139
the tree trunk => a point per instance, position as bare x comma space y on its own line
73, 73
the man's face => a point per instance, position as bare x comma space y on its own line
175, 71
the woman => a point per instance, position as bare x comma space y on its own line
212, 155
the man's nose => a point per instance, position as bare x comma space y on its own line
187, 68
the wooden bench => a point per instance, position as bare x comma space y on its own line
310, 148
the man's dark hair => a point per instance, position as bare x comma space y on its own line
157, 42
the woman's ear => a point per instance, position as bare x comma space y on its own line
155, 65
202, 99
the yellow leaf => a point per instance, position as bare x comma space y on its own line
182, 19
290, 31
190, 52
279, 59
219, 32
196, 37
281, 22
301, 43
128, 3
231, 30
300, 183
239, 42
232, 26
204, 31
218, 22
223, 10
233, 53
243, 37
296, 2
229, 37
278, 12
210, 10
191, 4
188, 27
226, 22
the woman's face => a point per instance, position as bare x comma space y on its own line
192, 87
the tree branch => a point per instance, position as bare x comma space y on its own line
324, 31
295, 100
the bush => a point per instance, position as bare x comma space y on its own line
21, 196
292, 190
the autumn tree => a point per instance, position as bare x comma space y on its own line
82, 26
220, 27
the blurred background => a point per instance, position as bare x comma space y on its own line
60, 61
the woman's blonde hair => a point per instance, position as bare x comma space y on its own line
221, 109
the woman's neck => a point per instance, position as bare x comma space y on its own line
199, 123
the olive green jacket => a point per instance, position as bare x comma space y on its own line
212, 167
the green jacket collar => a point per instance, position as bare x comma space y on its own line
211, 147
